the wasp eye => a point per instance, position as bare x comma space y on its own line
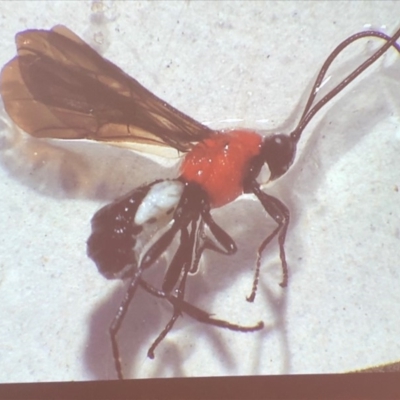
278, 152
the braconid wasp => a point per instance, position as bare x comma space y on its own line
59, 87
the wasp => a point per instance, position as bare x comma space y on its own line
59, 87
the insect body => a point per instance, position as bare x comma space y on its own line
59, 87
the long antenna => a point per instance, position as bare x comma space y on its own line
309, 114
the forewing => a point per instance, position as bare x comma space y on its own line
59, 87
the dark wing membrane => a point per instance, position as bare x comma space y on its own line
59, 87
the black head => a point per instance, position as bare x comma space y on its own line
278, 151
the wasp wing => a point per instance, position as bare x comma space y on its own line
59, 87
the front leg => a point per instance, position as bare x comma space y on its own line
281, 215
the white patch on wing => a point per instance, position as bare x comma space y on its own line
162, 198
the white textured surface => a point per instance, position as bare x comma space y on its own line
217, 62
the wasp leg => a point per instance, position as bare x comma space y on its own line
197, 313
281, 215
229, 246
182, 265
222, 242
186, 260
177, 313
181, 262
119, 317
152, 254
